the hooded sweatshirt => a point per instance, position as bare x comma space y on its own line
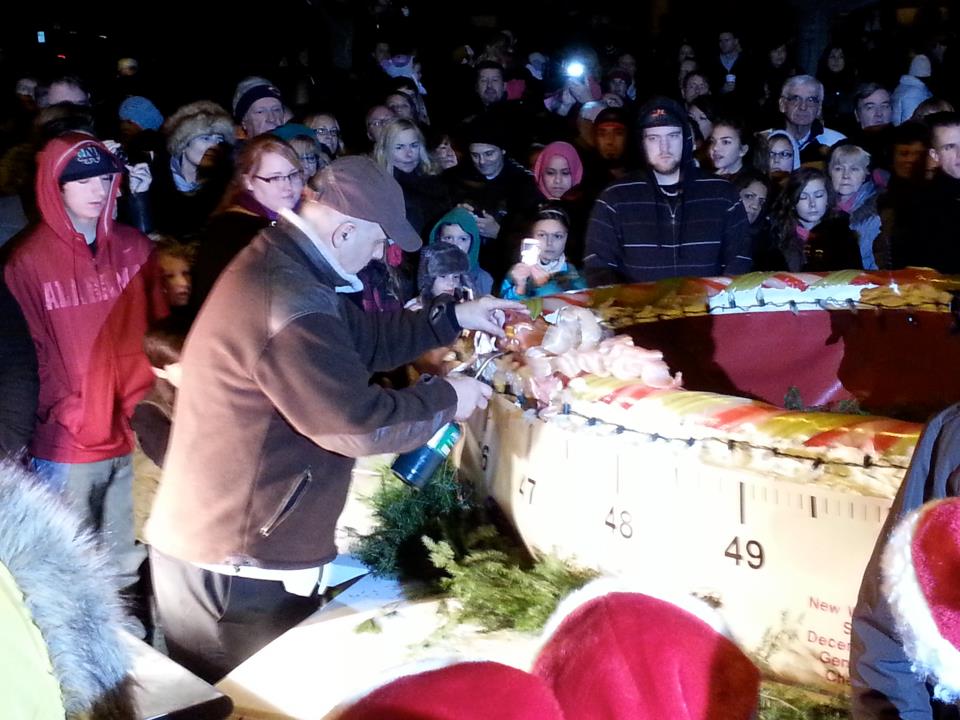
87, 313
909, 93
480, 279
638, 232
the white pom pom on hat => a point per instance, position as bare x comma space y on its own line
920, 577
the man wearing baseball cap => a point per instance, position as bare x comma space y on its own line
275, 403
669, 219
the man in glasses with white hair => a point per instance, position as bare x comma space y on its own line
801, 101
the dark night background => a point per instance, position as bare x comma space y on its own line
189, 50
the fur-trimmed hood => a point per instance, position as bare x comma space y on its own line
198, 118
68, 591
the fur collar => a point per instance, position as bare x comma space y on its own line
65, 581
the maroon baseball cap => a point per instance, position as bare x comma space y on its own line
358, 187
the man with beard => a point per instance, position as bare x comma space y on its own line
669, 219
490, 104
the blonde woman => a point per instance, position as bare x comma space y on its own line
402, 151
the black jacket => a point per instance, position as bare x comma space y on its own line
637, 233
226, 235
634, 234
19, 383
832, 245
183, 214
933, 237
510, 198
425, 197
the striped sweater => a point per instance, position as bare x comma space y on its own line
636, 233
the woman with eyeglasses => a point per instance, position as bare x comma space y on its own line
268, 178
777, 154
304, 142
543, 268
810, 234
402, 151
327, 130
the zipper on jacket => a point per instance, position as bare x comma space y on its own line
288, 503
673, 234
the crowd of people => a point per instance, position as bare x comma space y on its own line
286, 241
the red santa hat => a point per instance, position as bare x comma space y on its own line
462, 691
614, 654
921, 580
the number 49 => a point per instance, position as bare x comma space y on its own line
754, 553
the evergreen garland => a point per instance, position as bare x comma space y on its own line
441, 535
444, 509
496, 591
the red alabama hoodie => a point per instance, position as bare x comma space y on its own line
87, 314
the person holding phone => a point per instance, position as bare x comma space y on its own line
579, 87
497, 190
543, 268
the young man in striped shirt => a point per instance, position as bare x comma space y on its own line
670, 219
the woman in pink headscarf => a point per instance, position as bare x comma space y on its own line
557, 170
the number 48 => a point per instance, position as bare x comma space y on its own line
754, 553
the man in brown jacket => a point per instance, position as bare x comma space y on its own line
275, 403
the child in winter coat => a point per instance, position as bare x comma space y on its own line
548, 272
458, 227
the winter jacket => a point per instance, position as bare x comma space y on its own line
183, 214
60, 614
509, 197
907, 96
865, 222
226, 234
931, 241
425, 196
883, 683
279, 363
87, 313
18, 377
832, 245
636, 233
480, 280
565, 279
12, 217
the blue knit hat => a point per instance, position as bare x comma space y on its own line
137, 109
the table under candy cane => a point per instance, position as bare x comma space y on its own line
771, 512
